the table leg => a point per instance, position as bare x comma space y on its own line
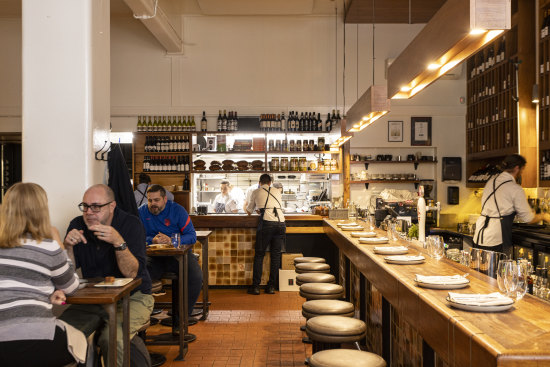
204, 278
182, 305
111, 311
126, 330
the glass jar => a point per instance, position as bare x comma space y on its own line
284, 164
321, 143
311, 145
291, 146
284, 146
293, 164
298, 146
305, 146
302, 164
271, 146
278, 145
274, 164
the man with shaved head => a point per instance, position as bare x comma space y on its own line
106, 241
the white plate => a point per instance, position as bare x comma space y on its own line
389, 251
119, 282
347, 224
354, 228
477, 308
391, 260
363, 234
373, 241
442, 285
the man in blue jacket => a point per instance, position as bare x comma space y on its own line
161, 218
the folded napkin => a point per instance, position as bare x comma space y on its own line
347, 224
405, 257
391, 248
475, 299
441, 279
366, 234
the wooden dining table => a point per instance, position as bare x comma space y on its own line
202, 236
180, 254
519, 336
108, 297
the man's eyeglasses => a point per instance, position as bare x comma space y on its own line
95, 207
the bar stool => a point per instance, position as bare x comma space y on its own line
302, 268
314, 278
325, 307
313, 291
346, 358
308, 259
329, 332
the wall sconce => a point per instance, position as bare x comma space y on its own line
455, 32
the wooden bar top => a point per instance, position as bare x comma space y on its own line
91, 295
518, 337
251, 221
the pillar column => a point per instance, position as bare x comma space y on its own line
66, 98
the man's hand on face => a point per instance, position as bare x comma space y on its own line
162, 238
107, 234
73, 237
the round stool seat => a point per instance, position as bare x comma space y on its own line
156, 286
312, 268
335, 329
305, 259
314, 278
345, 358
313, 291
325, 307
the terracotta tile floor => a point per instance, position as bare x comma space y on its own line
244, 330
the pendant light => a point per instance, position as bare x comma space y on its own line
374, 103
455, 32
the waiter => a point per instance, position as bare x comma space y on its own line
271, 232
502, 200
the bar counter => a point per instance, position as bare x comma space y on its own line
406, 324
231, 245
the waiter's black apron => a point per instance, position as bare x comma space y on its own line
261, 220
506, 221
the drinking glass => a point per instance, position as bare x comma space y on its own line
436, 247
370, 221
507, 277
524, 269
176, 240
465, 258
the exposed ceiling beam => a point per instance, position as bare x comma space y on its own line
159, 24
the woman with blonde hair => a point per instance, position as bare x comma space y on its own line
34, 274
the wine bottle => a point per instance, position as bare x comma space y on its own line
204, 122
193, 125
328, 123
219, 122
186, 183
224, 121
283, 122
236, 118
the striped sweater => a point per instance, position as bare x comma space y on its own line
29, 274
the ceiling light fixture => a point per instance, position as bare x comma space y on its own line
340, 141
374, 103
455, 32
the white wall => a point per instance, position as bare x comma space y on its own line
267, 65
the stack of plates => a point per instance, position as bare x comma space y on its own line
363, 234
372, 241
351, 228
390, 250
441, 281
492, 302
405, 259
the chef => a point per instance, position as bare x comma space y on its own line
224, 201
503, 199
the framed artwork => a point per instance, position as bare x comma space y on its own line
395, 131
211, 143
421, 131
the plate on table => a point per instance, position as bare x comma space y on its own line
351, 228
390, 250
373, 241
442, 282
363, 234
480, 308
347, 224
405, 259
119, 282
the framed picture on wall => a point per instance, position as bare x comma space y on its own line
395, 131
421, 131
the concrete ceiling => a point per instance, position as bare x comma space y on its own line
12, 8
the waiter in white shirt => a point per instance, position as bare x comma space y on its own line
224, 201
502, 200
271, 232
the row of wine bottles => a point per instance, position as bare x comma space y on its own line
166, 164
167, 123
307, 121
484, 174
167, 144
226, 123
486, 59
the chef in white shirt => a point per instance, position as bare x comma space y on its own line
224, 201
503, 199
271, 232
